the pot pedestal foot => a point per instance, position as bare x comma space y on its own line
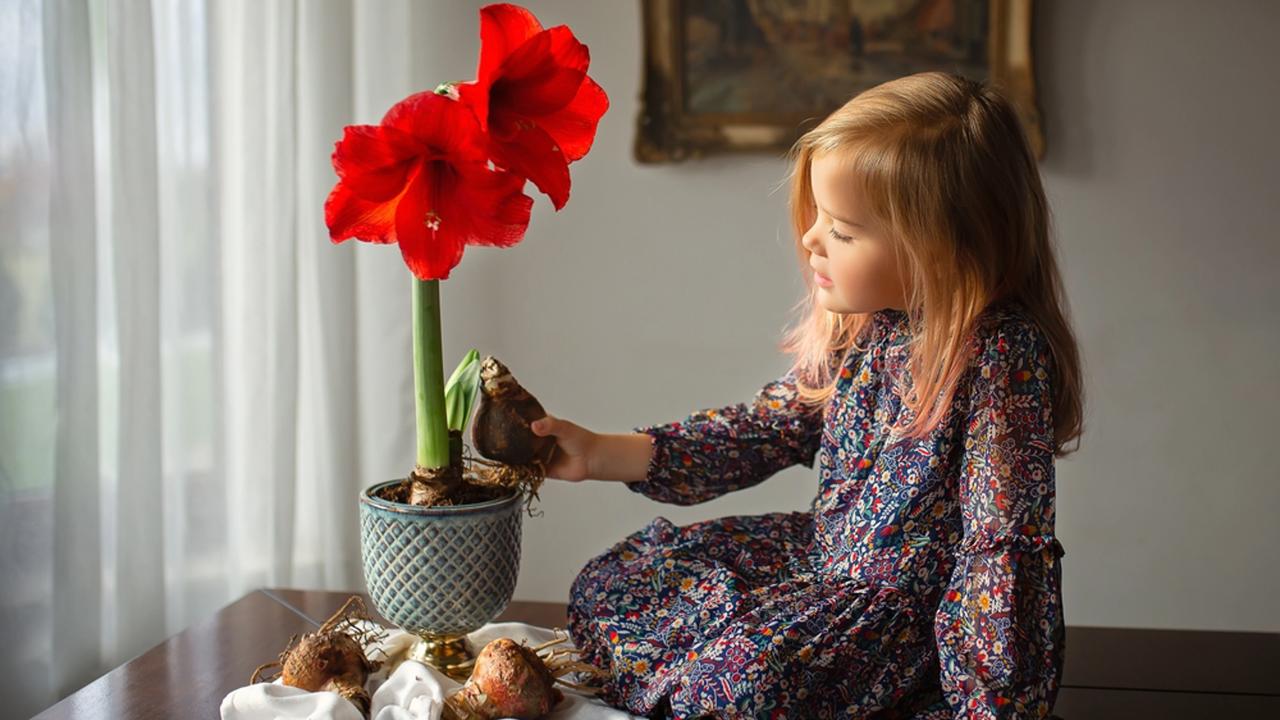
447, 653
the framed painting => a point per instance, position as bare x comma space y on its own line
723, 76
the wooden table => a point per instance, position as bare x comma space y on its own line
1109, 672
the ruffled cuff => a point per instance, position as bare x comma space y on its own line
660, 482
1000, 629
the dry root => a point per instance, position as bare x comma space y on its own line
526, 479
331, 658
481, 480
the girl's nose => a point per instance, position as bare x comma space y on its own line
810, 242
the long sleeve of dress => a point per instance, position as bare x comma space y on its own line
999, 625
715, 451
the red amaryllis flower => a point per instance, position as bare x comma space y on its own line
422, 179
532, 95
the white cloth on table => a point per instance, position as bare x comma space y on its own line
413, 691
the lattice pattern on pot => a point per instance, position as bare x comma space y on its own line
446, 576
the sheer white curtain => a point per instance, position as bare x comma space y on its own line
194, 383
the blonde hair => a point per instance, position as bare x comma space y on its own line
944, 165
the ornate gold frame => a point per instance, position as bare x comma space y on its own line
666, 133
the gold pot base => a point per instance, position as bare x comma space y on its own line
447, 653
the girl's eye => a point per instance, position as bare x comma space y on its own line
838, 236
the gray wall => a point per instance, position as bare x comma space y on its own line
660, 290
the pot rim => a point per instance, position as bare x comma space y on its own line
368, 498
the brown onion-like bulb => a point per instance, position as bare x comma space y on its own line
500, 430
509, 681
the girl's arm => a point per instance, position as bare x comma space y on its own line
999, 626
620, 457
716, 451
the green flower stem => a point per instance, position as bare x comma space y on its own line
428, 376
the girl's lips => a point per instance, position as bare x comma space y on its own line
821, 279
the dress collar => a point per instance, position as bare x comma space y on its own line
894, 327
890, 319
890, 316
890, 323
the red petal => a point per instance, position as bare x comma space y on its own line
503, 28
529, 151
476, 97
374, 162
574, 127
430, 252
348, 216
448, 207
543, 75
441, 123
499, 209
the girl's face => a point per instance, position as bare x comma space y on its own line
852, 260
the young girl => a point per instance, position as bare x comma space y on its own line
936, 378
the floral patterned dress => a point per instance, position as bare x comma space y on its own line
923, 581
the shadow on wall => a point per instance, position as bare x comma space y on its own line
1062, 43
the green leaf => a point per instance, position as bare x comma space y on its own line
461, 390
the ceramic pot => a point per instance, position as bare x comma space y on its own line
440, 572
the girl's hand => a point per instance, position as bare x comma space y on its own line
574, 445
